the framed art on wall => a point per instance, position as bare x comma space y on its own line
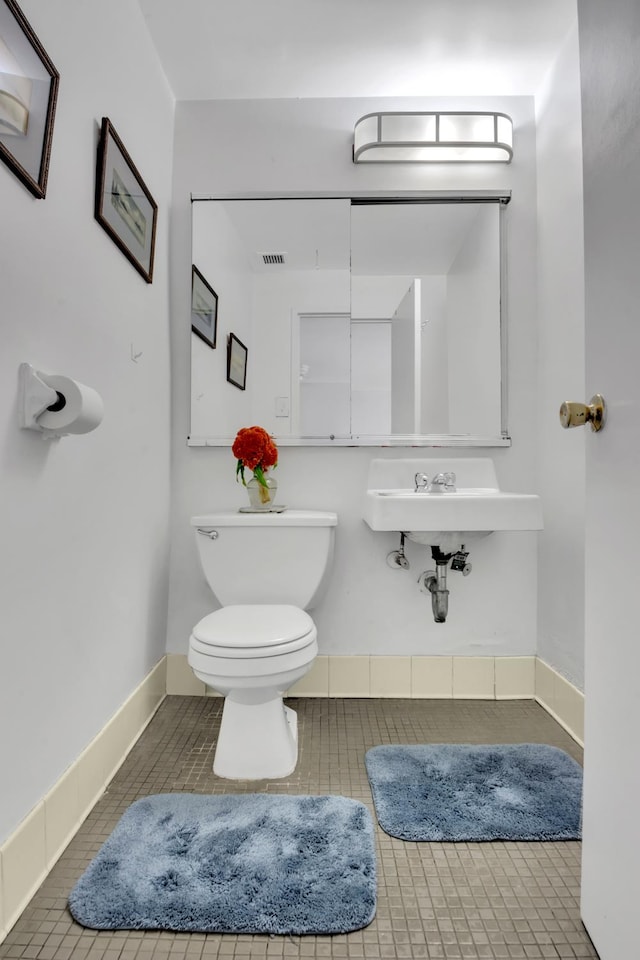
236, 362
204, 308
28, 94
124, 207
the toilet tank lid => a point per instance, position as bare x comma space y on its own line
288, 518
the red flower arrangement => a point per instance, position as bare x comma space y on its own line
254, 449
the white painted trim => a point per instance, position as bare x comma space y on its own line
561, 699
27, 856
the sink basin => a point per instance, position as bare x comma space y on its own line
446, 519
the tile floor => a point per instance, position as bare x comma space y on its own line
435, 900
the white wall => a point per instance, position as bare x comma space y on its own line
84, 519
560, 467
298, 145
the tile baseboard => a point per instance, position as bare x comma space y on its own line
561, 699
424, 678
29, 853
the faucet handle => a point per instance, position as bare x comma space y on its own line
421, 482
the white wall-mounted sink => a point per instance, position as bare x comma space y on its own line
445, 519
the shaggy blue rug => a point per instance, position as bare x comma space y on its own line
451, 792
252, 863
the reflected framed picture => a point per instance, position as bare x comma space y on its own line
124, 207
28, 94
236, 362
204, 308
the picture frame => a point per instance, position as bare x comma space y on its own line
204, 308
124, 208
237, 354
28, 95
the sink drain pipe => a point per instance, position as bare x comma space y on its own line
436, 584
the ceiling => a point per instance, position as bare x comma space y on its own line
251, 49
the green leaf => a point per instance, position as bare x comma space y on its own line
258, 473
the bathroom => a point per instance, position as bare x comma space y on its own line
109, 552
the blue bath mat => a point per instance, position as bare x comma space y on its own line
451, 792
252, 863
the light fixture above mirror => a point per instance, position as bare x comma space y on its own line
433, 138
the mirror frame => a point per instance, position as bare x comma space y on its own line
502, 197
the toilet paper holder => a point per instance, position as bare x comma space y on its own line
38, 395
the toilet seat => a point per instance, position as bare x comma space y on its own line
253, 630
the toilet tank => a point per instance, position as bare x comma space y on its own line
266, 557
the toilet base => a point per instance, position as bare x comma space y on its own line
257, 741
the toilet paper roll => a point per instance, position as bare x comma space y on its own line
79, 408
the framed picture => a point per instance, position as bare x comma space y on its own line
236, 362
28, 93
124, 206
204, 308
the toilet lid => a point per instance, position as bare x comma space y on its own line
253, 626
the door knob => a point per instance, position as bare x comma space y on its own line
577, 414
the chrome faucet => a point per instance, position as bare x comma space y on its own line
422, 483
443, 482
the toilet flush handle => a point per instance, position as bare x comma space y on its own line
212, 534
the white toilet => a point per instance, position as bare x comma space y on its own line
265, 569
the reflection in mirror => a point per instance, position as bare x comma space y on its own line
365, 321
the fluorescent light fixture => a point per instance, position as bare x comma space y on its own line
433, 138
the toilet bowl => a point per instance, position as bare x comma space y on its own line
263, 568
252, 655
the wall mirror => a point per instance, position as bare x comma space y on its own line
365, 320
